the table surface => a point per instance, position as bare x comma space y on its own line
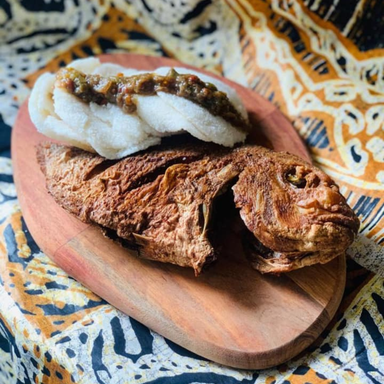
320, 65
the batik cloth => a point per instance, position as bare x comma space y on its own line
320, 61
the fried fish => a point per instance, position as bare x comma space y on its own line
160, 202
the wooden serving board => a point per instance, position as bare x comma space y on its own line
231, 314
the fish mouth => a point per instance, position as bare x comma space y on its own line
332, 240
266, 260
351, 223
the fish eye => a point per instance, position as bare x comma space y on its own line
295, 180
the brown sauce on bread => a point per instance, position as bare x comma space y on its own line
120, 89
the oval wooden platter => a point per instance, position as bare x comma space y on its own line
231, 314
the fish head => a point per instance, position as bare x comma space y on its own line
293, 207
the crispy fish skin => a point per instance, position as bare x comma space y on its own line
294, 210
159, 202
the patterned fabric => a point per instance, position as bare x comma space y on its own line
320, 61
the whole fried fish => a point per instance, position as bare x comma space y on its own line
160, 202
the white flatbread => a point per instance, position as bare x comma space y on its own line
215, 128
110, 69
165, 119
88, 65
114, 134
43, 115
231, 93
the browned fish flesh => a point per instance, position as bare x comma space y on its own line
160, 202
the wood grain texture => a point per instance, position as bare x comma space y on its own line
231, 314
